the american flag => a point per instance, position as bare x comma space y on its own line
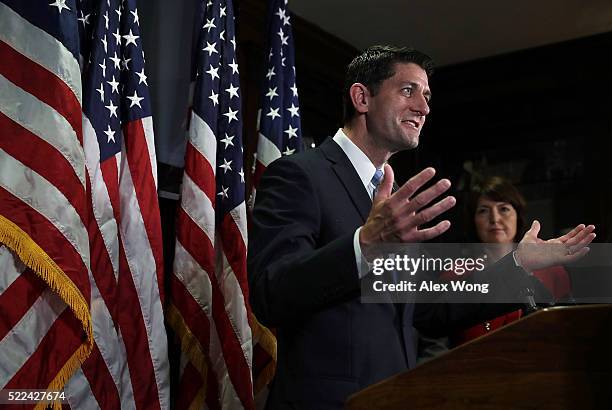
46, 328
279, 118
209, 294
279, 134
99, 147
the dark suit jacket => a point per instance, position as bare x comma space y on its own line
303, 281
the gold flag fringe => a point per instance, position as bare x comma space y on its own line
34, 257
192, 348
267, 340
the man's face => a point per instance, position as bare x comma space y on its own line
396, 114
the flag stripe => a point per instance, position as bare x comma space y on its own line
131, 322
10, 267
143, 287
35, 80
102, 386
43, 121
79, 394
145, 190
41, 368
38, 226
60, 174
197, 208
194, 317
18, 299
23, 341
267, 151
39, 46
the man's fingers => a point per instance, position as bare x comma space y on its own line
414, 220
414, 183
429, 233
428, 195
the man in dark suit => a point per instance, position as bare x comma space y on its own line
317, 213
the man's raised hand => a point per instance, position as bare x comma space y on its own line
396, 217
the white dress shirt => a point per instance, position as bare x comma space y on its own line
365, 169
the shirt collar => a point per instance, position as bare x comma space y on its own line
362, 164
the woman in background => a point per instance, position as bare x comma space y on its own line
496, 212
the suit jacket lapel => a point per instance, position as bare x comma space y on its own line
348, 176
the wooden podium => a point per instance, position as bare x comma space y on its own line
556, 358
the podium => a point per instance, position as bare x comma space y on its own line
556, 358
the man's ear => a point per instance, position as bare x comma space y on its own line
360, 96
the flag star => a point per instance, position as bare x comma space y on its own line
233, 91
106, 20
117, 37
233, 41
214, 97
112, 108
84, 19
118, 11
226, 166
273, 113
103, 66
272, 93
293, 110
211, 48
288, 151
135, 14
228, 140
281, 33
135, 100
125, 62
222, 12
130, 38
224, 192
101, 91
222, 35
241, 173
271, 73
114, 85
295, 90
291, 132
60, 4
142, 78
209, 3
209, 24
104, 43
283, 61
110, 134
214, 72
234, 66
284, 40
280, 13
116, 60
286, 20
231, 115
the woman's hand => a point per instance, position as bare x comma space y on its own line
534, 253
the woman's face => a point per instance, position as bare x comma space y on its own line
495, 221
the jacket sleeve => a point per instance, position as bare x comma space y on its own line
290, 274
443, 317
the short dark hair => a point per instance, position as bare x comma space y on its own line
496, 189
375, 65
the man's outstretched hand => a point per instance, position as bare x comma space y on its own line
396, 217
534, 253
